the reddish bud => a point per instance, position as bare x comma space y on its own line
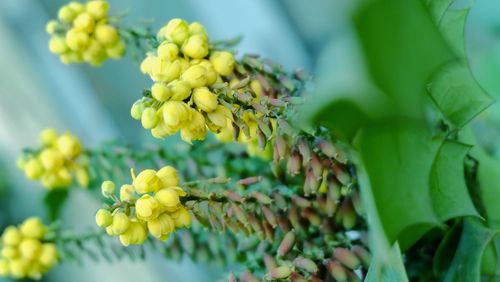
336, 270
281, 147
284, 224
249, 180
233, 196
346, 257
294, 163
285, 127
270, 216
341, 174
232, 278
279, 200
280, 272
255, 223
347, 214
305, 151
248, 277
261, 198
363, 254
286, 244
269, 262
300, 201
311, 216
316, 166
327, 148
240, 214
306, 265
296, 277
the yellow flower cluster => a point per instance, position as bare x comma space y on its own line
184, 70
150, 204
58, 160
82, 33
23, 253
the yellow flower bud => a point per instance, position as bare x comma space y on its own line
4, 267
161, 131
175, 114
68, 145
168, 198
84, 22
18, 268
11, 236
117, 50
120, 223
211, 74
137, 109
179, 89
168, 176
48, 136
162, 70
106, 34
160, 92
109, 231
10, 252
95, 53
48, 255
30, 248
82, 177
126, 193
103, 218
97, 8
220, 117
147, 64
196, 129
257, 89
195, 76
182, 218
176, 31
108, 188
161, 226
62, 178
147, 182
197, 28
223, 62
225, 134
196, 47
51, 159
66, 14
33, 227
149, 118
147, 208
77, 40
204, 99
168, 51
184, 64
33, 169
77, 7
71, 57
57, 45
135, 235
51, 27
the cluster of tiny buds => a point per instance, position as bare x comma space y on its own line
59, 159
152, 203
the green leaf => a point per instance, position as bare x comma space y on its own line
452, 27
398, 157
489, 185
437, 8
54, 201
448, 188
466, 264
393, 272
447, 246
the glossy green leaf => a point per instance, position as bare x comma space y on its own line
437, 8
54, 201
489, 185
466, 263
393, 272
452, 27
448, 188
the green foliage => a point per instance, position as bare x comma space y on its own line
54, 201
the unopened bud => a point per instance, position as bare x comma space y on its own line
232, 278
108, 188
279, 200
249, 180
286, 244
311, 216
261, 139
336, 270
316, 166
269, 231
296, 277
240, 214
261, 198
356, 202
362, 254
341, 174
269, 262
281, 272
294, 163
233, 196
305, 151
327, 148
301, 202
347, 214
281, 147
312, 181
248, 277
255, 224
346, 257
306, 265
270, 216
285, 127
284, 224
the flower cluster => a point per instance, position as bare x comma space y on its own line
83, 33
150, 204
184, 71
24, 254
58, 160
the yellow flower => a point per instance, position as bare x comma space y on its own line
57, 45
103, 218
211, 74
168, 176
84, 22
149, 118
11, 236
168, 51
126, 192
257, 89
204, 99
136, 234
182, 218
160, 92
163, 225
66, 14
147, 182
195, 76
51, 27
223, 62
175, 114
176, 31
196, 129
161, 131
68, 145
30, 248
82, 176
48, 255
97, 8
196, 46
108, 188
162, 70
169, 198
137, 109
4, 267
147, 64
226, 134
147, 207
10, 252
221, 117
117, 50
48, 136
33, 227
95, 53
33, 169
180, 90
106, 34
197, 28
18, 268
120, 223
77, 40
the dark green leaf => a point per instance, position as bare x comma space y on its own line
54, 201
437, 8
390, 272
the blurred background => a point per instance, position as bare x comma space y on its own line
37, 91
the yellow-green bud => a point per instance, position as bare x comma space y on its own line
195, 76
106, 34
197, 28
149, 118
108, 188
77, 40
196, 47
182, 218
51, 159
161, 226
82, 177
33, 227
120, 223
168, 176
196, 129
168, 198
48, 136
126, 193
162, 70
175, 114
11, 236
136, 234
117, 50
223, 62
57, 45
66, 14
103, 218
48, 255
176, 30
221, 117
97, 8
147, 64
4, 267
147, 207
180, 90
204, 99
211, 74
160, 92
30, 248
168, 51
68, 145
33, 169
10, 252
147, 182
84, 22
137, 109
52, 27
